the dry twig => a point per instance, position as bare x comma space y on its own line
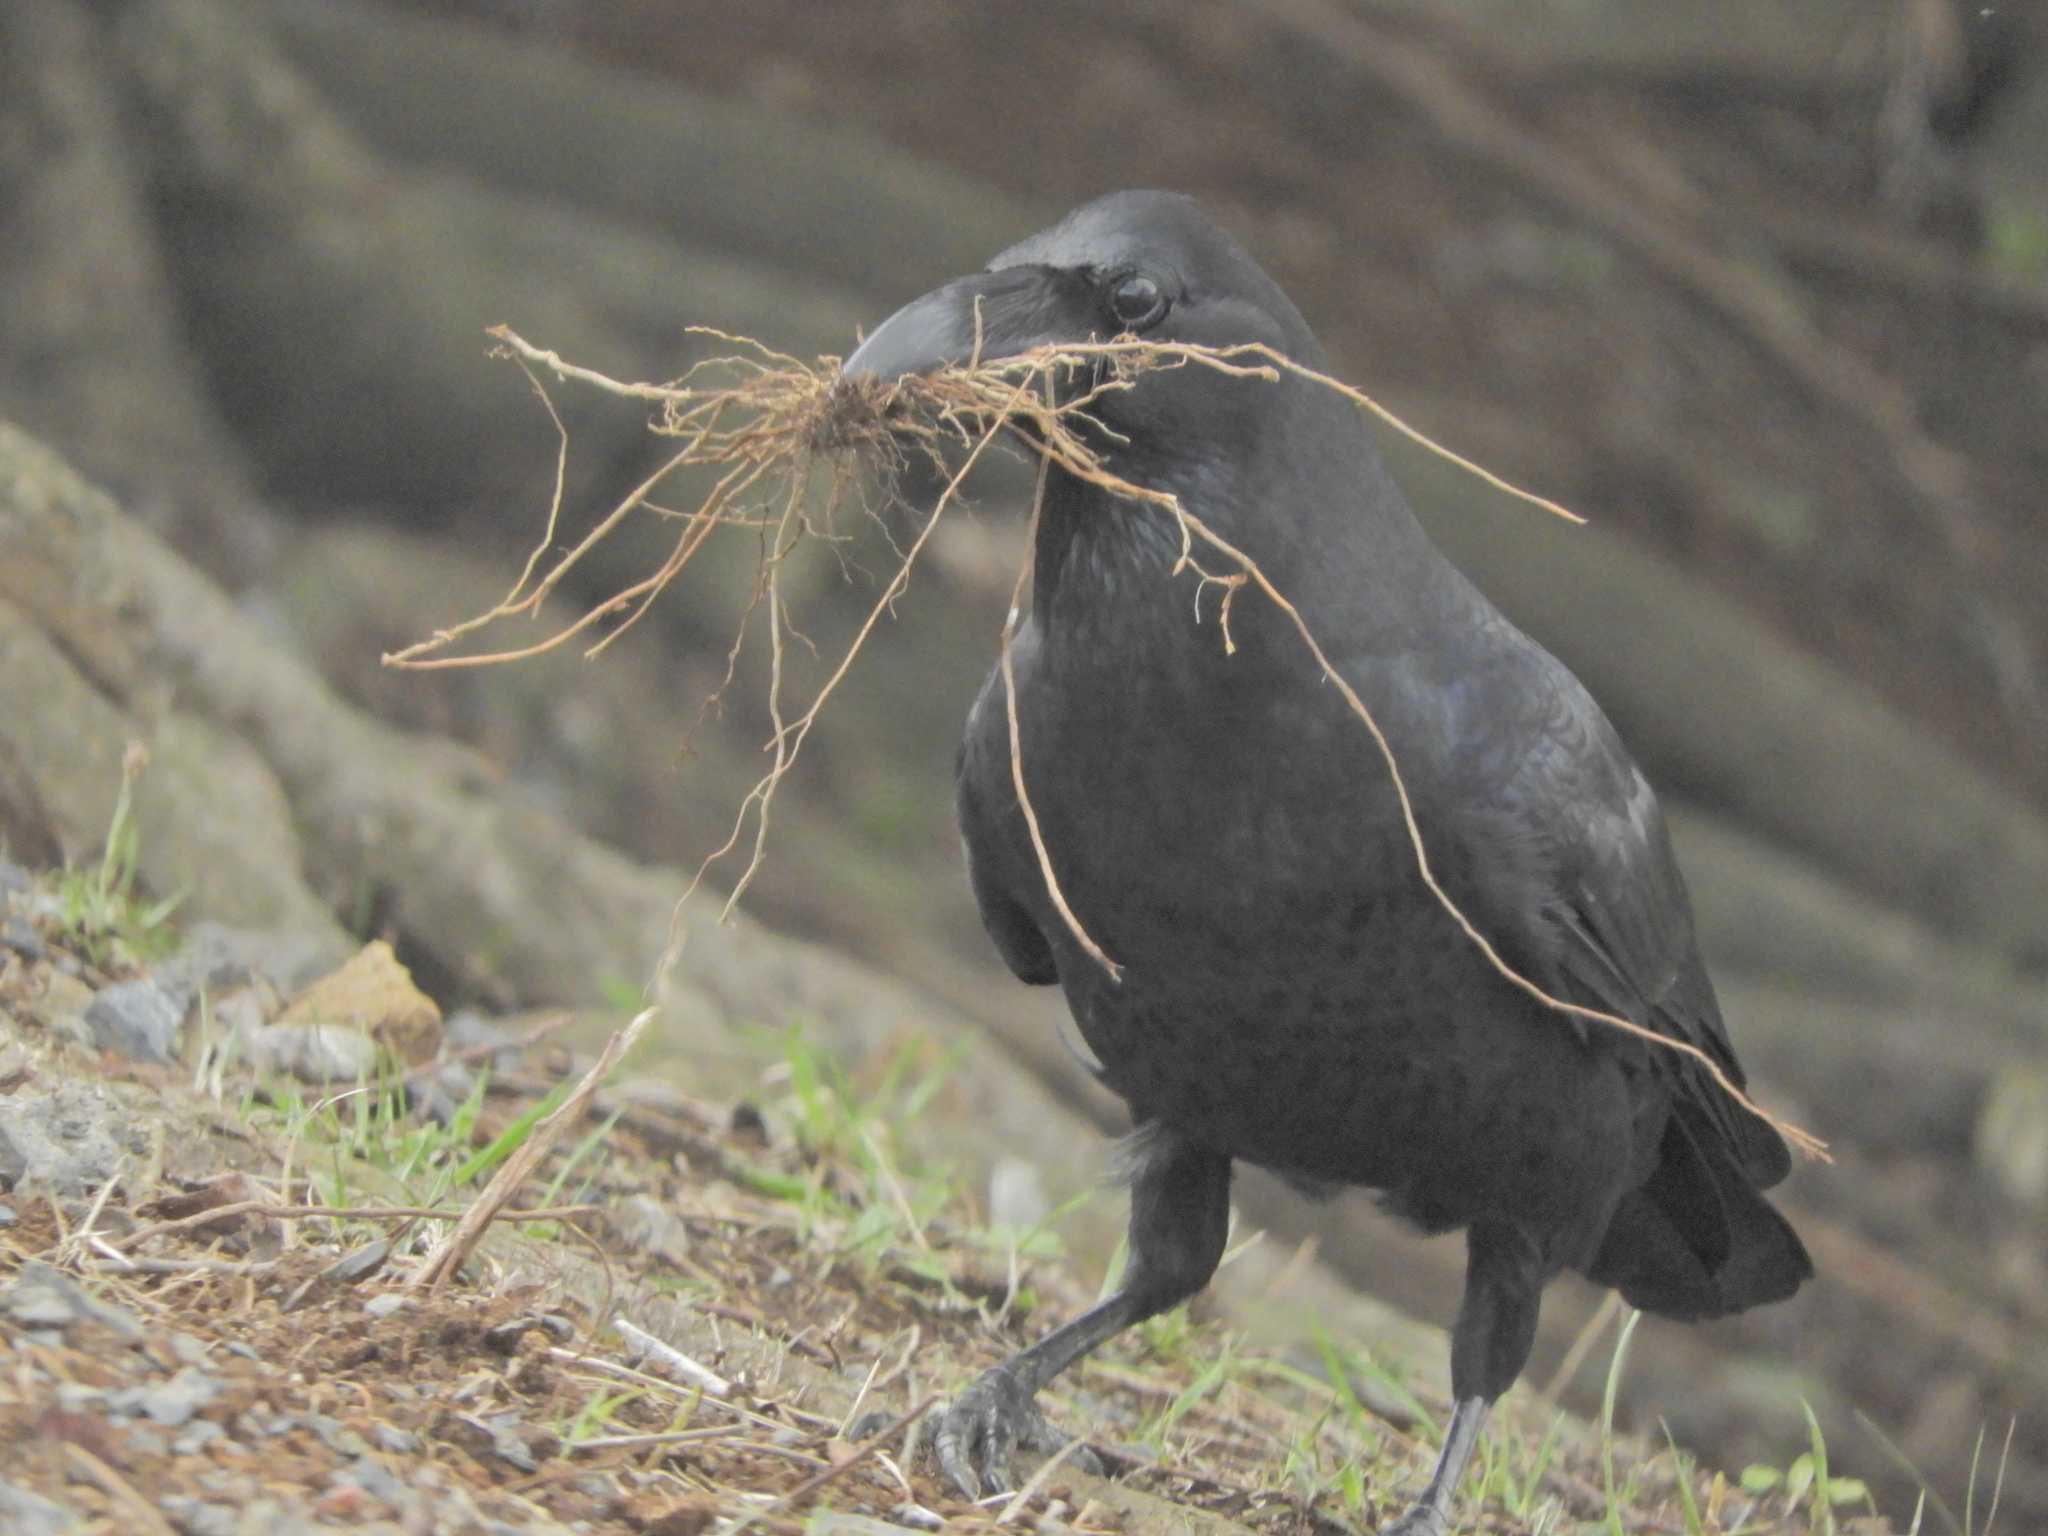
496, 1196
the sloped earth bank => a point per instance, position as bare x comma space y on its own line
212, 1321
252, 249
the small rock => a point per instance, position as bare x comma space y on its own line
14, 880
313, 1053
499, 1433
241, 1011
7, 1217
337, 1436
188, 1350
64, 1141
395, 1441
381, 1307
358, 1265
139, 1019
196, 1517
916, 1517
647, 1224
506, 1336
42, 1297
373, 993
18, 936
30, 1514
375, 1479
171, 1403
198, 1435
142, 1440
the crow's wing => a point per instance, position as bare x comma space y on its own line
1611, 923
982, 793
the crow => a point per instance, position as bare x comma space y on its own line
1289, 992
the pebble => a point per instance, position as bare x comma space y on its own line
18, 936
381, 1307
648, 1225
375, 1479
7, 1217
395, 1441
313, 1053
42, 1297
139, 1019
67, 1140
199, 1434
196, 1517
171, 1403
30, 1514
337, 1436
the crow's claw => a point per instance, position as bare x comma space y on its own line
981, 1427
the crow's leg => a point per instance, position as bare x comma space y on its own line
1180, 1210
1490, 1343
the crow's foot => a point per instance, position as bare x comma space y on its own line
979, 1429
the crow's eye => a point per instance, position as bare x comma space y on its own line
1137, 301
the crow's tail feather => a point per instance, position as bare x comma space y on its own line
1698, 1240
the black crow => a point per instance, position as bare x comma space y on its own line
1290, 992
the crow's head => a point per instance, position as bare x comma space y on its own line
1147, 264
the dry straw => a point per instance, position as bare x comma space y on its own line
791, 444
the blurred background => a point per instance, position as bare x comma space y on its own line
1759, 286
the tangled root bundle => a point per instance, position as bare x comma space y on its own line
790, 442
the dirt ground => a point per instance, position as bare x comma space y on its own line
215, 1317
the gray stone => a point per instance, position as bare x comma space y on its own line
197, 1435
64, 1141
196, 1517
170, 1403
30, 1514
314, 1053
43, 1297
139, 1019
650, 1226
375, 1479
395, 1441
337, 1436
13, 878
18, 936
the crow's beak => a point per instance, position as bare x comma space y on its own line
989, 315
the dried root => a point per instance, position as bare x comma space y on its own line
791, 443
